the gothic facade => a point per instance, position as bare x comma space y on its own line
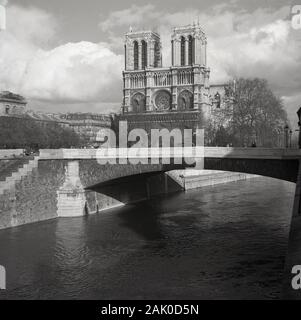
150, 88
178, 96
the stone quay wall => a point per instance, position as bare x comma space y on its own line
49, 190
33, 198
66, 183
8, 153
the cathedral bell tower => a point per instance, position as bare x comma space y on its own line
189, 46
142, 50
142, 53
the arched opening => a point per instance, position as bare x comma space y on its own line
138, 103
125, 57
156, 55
136, 55
182, 51
144, 54
172, 52
185, 100
190, 50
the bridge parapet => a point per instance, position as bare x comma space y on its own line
252, 153
207, 152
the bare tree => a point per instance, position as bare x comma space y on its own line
253, 115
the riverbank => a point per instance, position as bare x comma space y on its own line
198, 179
225, 242
31, 193
193, 179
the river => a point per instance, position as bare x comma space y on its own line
222, 242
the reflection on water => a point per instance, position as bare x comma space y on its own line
226, 241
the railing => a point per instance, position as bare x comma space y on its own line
137, 80
207, 152
185, 77
160, 78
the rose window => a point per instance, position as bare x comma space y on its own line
163, 100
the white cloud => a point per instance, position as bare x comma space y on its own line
70, 72
74, 72
248, 44
240, 43
27, 30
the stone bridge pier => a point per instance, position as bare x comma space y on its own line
89, 187
71, 197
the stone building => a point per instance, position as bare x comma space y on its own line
184, 86
178, 96
12, 104
88, 125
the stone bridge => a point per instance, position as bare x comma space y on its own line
70, 182
92, 184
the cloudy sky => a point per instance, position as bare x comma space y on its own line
67, 55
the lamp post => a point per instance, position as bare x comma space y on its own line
299, 124
286, 136
280, 137
253, 138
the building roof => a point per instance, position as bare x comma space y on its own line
85, 116
12, 97
143, 34
51, 117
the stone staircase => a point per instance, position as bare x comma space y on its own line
15, 176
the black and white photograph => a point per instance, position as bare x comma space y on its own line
150, 151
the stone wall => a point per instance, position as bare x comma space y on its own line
202, 178
33, 198
6, 153
286, 169
48, 190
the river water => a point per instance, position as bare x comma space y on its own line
226, 241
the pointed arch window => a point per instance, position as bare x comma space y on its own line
190, 50
182, 51
157, 55
172, 52
125, 57
136, 55
144, 54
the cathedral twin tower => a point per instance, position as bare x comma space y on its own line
150, 88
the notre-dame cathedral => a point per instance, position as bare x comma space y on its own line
178, 96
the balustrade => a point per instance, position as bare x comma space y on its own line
161, 78
137, 81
